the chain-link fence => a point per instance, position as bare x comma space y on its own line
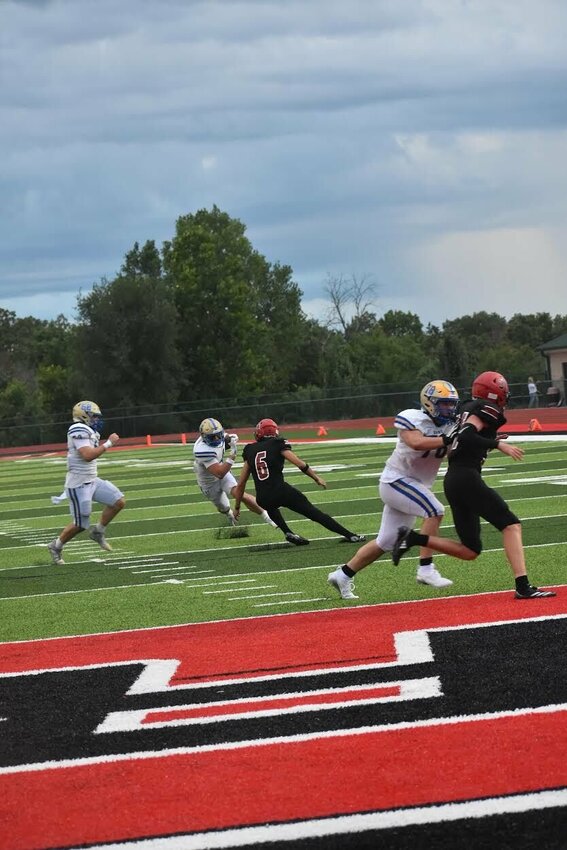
306, 405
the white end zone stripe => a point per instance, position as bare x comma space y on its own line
348, 824
133, 721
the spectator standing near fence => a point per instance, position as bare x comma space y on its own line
532, 393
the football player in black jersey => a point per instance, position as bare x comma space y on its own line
265, 460
468, 495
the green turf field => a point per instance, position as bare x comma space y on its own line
173, 560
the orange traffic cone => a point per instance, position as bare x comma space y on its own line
380, 431
184, 439
148, 439
322, 432
534, 425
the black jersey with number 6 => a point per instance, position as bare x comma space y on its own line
266, 464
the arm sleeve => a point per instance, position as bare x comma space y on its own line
469, 436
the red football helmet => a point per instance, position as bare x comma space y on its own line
266, 428
492, 386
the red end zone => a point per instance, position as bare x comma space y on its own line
121, 797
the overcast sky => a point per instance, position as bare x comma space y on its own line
420, 144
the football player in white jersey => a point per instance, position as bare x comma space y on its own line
82, 484
405, 485
213, 470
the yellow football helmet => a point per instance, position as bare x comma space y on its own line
439, 399
212, 432
89, 413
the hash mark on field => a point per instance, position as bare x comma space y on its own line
180, 571
291, 601
257, 595
155, 569
230, 589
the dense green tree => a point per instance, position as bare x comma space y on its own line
454, 362
19, 407
516, 362
531, 330
381, 359
558, 326
479, 330
127, 342
279, 311
142, 262
8, 324
361, 324
240, 318
401, 324
28, 343
56, 391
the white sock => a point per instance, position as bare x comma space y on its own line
267, 518
426, 568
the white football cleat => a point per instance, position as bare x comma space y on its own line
56, 553
342, 583
99, 538
433, 578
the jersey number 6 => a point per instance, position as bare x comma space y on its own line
262, 470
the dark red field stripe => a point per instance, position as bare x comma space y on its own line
279, 782
276, 644
279, 704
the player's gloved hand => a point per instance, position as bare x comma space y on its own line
451, 435
230, 440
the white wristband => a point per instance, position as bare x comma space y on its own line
108, 444
230, 460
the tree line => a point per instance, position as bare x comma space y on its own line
208, 317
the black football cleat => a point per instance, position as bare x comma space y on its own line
534, 593
403, 544
296, 539
355, 538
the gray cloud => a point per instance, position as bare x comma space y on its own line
349, 139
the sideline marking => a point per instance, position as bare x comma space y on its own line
332, 610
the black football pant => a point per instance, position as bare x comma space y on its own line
289, 497
470, 499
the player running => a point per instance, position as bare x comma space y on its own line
469, 496
406, 482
